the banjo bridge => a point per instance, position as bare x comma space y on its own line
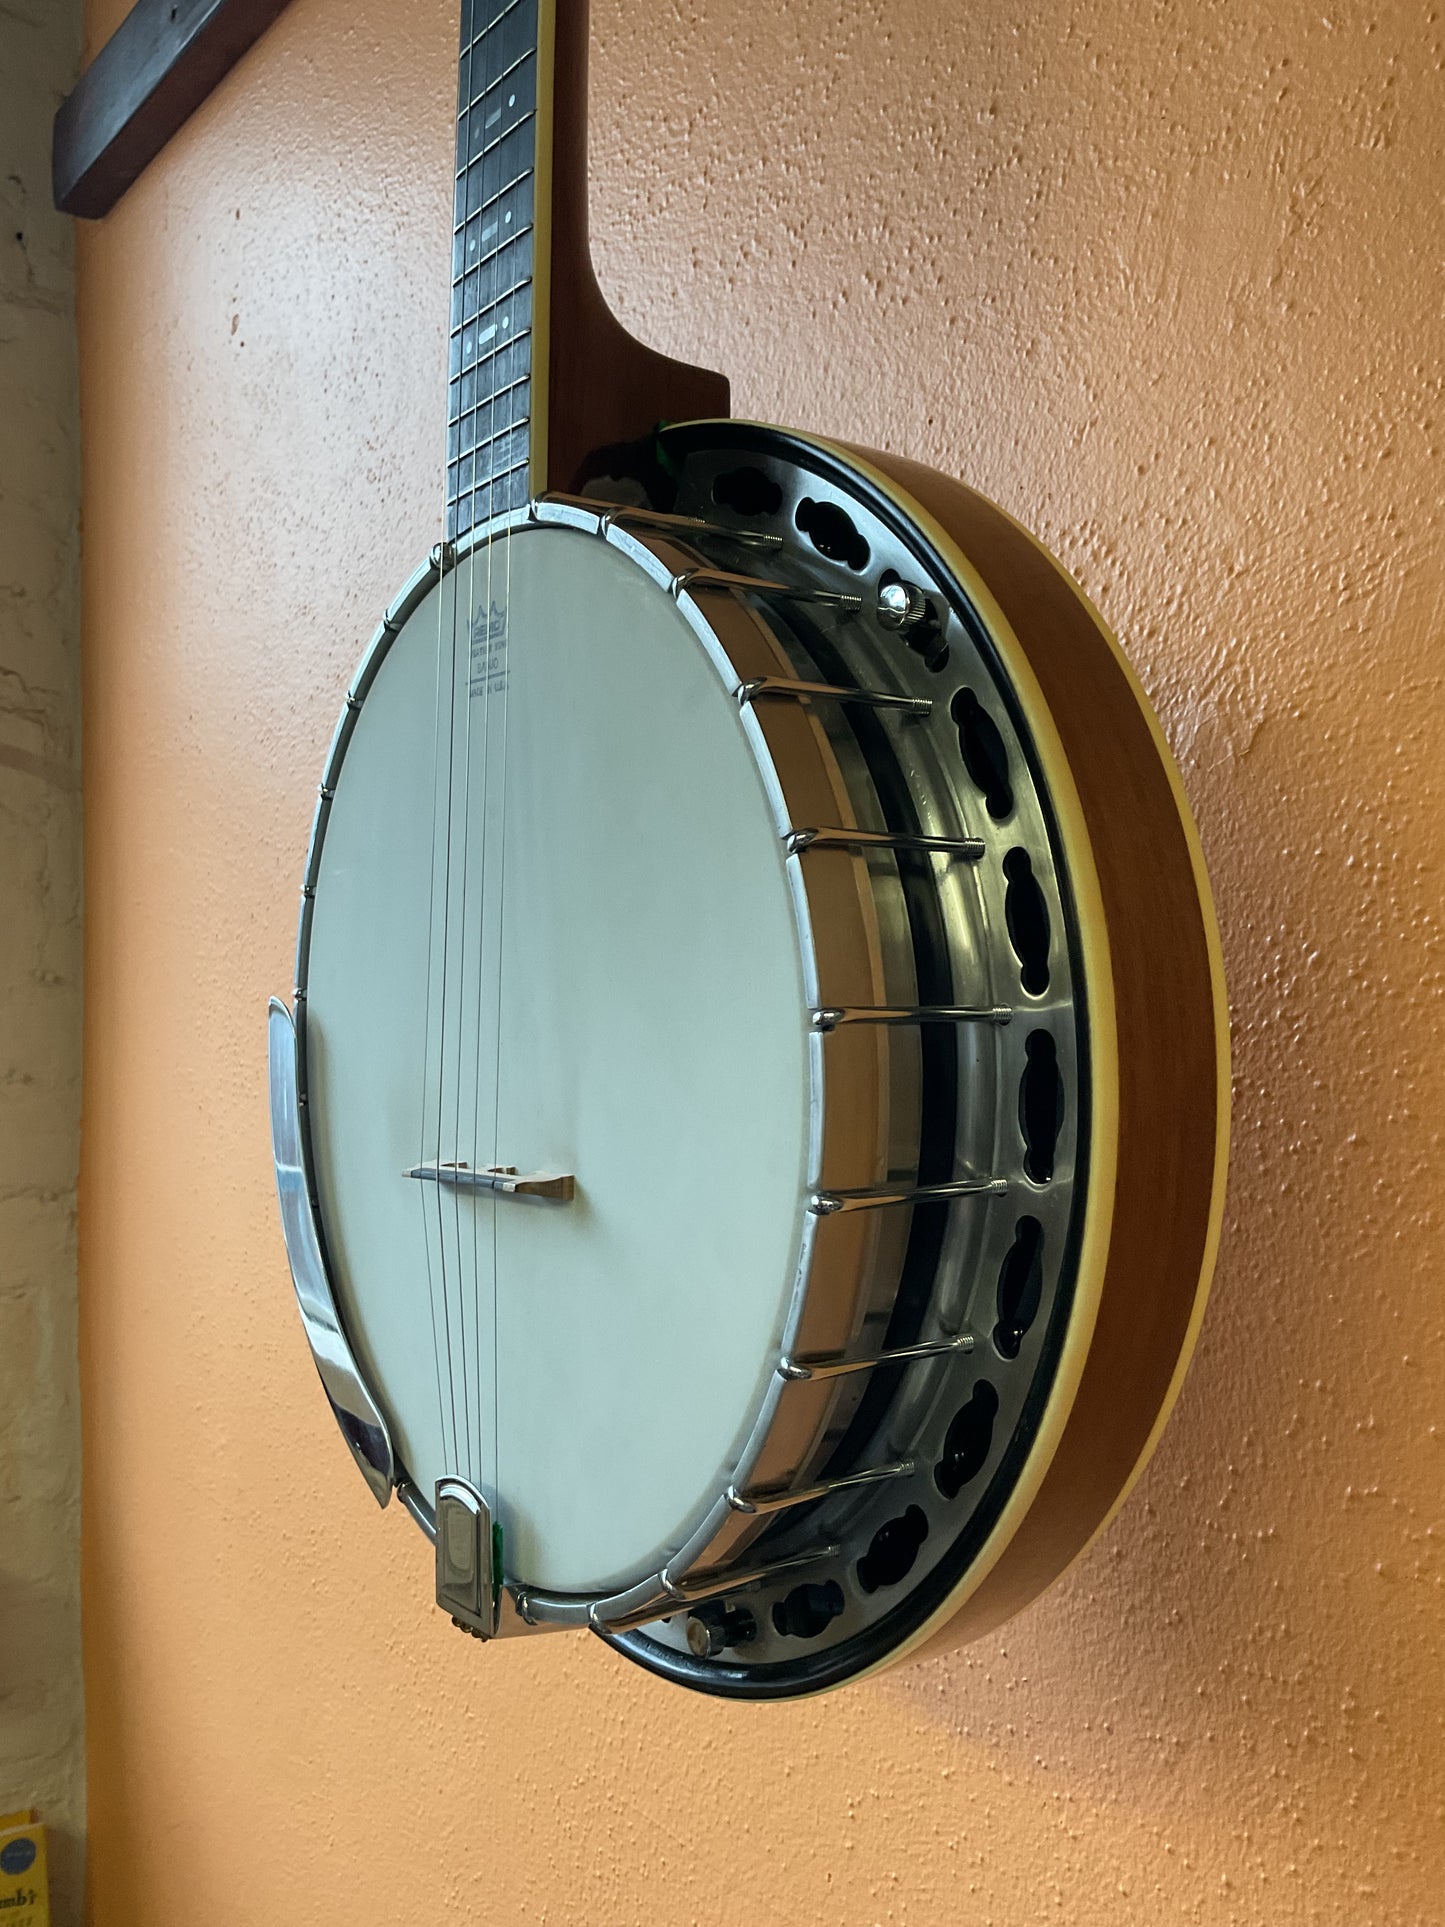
504, 1179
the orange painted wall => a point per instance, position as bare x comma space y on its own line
1167, 282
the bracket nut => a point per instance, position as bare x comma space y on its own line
902, 605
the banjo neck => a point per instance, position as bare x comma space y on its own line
542, 378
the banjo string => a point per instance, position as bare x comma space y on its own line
465, 697
448, 1401
482, 480
480, 1201
426, 1018
461, 670
478, 1197
446, 869
501, 958
456, 1461
496, 670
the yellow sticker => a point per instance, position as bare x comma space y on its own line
24, 1889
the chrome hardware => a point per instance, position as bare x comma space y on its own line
626, 514
469, 1579
357, 1413
644, 518
760, 686
768, 1500
830, 1016
712, 1630
704, 1637
902, 605
797, 841
673, 1593
824, 1203
443, 557
502, 1178
704, 578
821, 1367
864, 659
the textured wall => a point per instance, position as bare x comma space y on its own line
1167, 282
42, 1758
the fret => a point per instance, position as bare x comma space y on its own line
493, 239
502, 107
504, 48
518, 291
497, 455
503, 272
504, 491
487, 16
501, 166
494, 226
486, 236
511, 363
493, 222
485, 428
477, 79
477, 342
499, 411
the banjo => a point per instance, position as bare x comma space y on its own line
750, 1132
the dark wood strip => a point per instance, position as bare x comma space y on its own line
162, 61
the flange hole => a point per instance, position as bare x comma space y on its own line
894, 1547
967, 1442
808, 1609
1041, 1105
984, 755
747, 491
832, 532
1027, 916
1020, 1287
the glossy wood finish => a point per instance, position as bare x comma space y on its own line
1172, 1061
603, 386
144, 84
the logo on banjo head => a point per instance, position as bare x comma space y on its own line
751, 1135
487, 655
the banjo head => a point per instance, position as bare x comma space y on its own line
726, 862
626, 915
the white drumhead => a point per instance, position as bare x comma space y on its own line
629, 874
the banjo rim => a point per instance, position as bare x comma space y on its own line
1089, 930
1007, 1574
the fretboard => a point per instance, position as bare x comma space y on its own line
490, 392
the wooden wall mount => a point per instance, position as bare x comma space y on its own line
161, 62
604, 386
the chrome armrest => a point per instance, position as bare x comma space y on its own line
362, 1425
